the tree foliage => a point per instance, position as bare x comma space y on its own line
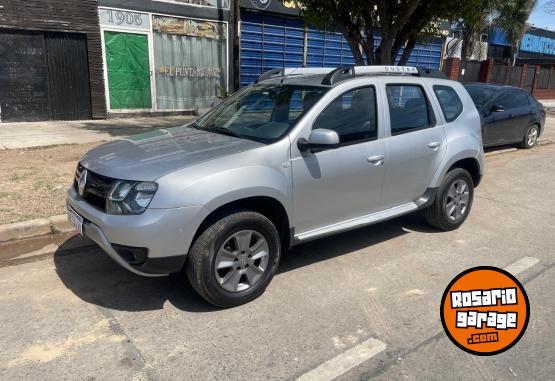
399, 23
403, 23
509, 15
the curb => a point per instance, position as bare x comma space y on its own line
35, 228
500, 152
513, 149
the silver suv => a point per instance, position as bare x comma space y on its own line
299, 155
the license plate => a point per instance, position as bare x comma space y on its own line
75, 219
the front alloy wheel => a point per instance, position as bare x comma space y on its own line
242, 260
234, 259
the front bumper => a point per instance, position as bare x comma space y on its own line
166, 233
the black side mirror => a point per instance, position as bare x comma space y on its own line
497, 108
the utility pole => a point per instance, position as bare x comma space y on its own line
236, 44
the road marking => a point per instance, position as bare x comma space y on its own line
344, 362
521, 265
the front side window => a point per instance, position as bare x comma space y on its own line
409, 109
263, 113
352, 115
449, 101
481, 95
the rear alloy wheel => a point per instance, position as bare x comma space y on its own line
531, 137
233, 260
453, 201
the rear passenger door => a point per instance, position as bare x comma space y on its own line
415, 145
509, 125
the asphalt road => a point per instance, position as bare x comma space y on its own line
74, 314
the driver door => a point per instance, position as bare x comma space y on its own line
340, 184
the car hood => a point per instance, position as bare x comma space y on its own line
148, 156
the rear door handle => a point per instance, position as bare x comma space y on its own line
376, 160
434, 145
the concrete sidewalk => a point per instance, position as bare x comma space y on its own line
549, 105
37, 134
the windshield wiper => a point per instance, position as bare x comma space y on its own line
223, 131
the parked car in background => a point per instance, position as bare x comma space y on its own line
509, 114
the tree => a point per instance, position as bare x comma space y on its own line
509, 15
513, 17
399, 23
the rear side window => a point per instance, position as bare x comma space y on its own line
409, 109
511, 99
449, 101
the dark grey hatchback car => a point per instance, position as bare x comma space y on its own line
509, 114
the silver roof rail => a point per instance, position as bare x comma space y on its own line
336, 75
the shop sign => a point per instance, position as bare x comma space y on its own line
189, 27
123, 19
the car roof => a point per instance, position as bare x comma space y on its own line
329, 77
493, 86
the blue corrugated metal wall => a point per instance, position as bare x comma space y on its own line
269, 42
326, 49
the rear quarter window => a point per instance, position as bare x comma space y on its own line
449, 100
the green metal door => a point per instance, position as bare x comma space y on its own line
128, 70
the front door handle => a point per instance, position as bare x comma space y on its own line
376, 160
434, 145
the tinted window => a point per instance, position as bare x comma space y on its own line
480, 94
408, 108
449, 101
352, 115
512, 99
263, 113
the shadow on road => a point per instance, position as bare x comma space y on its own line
96, 278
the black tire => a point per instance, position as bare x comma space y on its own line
526, 144
202, 256
436, 214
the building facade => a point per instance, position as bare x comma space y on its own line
166, 56
50, 61
274, 35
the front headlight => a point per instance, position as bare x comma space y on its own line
130, 197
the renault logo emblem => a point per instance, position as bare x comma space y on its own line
82, 182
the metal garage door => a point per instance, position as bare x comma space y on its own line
269, 42
43, 76
68, 68
327, 49
331, 49
23, 77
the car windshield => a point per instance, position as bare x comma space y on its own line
264, 113
480, 94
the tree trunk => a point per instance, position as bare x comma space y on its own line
383, 53
408, 50
368, 46
355, 49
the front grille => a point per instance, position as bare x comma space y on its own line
96, 188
